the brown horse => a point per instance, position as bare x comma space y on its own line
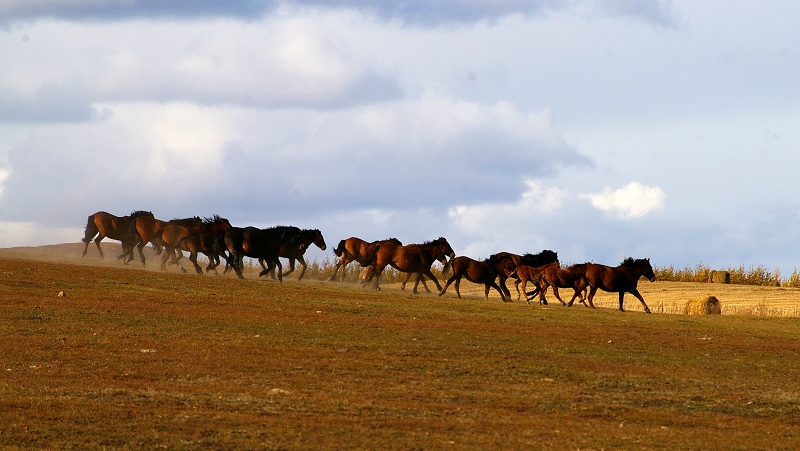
145, 229
357, 250
295, 250
172, 235
412, 259
536, 260
525, 274
105, 225
484, 272
621, 279
211, 245
556, 277
258, 243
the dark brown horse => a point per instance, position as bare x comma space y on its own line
412, 258
621, 279
172, 235
357, 250
295, 250
105, 225
536, 260
484, 272
213, 246
525, 274
145, 229
571, 277
260, 244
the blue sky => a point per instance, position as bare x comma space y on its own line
597, 128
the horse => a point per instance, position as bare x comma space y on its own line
105, 225
358, 250
210, 245
536, 260
294, 251
556, 277
258, 243
621, 279
172, 236
525, 274
412, 258
484, 272
144, 230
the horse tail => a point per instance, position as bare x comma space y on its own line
91, 230
340, 248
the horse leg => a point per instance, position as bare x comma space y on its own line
432, 277
336, 269
524, 282
503, 296
97, 243
408, 277
555, 291
302, 262
164, 258
193, 259
636, 293
543, 285
503, 285
447, 284
592, 292
140, 248
291, 268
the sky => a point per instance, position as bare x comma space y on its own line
600, 129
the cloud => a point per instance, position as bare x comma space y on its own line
52, 79
634, 200
413, 12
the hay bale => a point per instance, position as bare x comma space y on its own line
708, 305
719, 277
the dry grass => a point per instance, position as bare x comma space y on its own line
140, 359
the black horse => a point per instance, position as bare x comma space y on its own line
258, 243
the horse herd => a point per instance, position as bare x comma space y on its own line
216, 238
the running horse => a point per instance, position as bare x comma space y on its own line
484, 272
211, 245
621, 279
104, 225
357, 250
173, 235
412, 258
556, 277
525, 274
535, 260
295, 250
258, 243
145, 229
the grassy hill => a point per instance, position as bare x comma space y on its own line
130, 358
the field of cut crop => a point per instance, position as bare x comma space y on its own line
96, 355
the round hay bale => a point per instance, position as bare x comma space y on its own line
708, 305
719, 277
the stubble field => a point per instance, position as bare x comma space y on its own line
132, 358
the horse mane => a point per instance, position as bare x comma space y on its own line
185, 221
631, 262
390, 240
137, 213
542, 258
213, 219
435, 242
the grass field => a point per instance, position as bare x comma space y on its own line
132, 358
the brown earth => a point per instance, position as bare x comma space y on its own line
98, 355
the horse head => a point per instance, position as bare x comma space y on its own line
316, 238
641, 267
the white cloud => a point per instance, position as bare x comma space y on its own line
634, 200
